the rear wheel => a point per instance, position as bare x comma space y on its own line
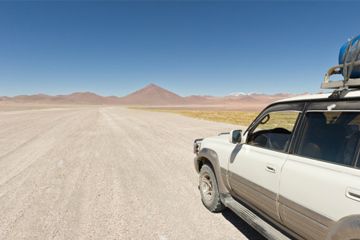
347, 229
209, 190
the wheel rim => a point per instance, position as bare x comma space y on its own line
206, 187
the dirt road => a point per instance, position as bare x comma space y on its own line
105, 173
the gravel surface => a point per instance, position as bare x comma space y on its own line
105, 173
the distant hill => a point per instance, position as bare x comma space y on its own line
153, 95
74, 98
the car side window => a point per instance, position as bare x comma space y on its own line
274, 131
331, 136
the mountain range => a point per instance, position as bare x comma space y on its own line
153, 95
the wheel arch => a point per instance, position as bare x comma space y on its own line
345, 229
208, 156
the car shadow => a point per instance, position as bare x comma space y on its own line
242, 226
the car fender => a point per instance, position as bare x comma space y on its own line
212, 157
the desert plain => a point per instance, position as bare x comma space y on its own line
104, 172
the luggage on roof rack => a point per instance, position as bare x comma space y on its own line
349, 67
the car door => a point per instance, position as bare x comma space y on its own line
254, 171
320, 181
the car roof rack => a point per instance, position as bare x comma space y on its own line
347, 82
349, 61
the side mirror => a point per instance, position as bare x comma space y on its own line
235, 136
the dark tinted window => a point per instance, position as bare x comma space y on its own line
331, 136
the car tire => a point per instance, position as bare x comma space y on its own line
209, 190
347, 229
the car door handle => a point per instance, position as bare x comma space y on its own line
353, 193
270, 169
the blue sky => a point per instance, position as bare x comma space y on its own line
113, 48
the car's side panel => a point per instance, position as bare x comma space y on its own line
254, 172
313, 195
305, 222
250, 179
259, 197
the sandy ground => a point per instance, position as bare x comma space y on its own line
105, 173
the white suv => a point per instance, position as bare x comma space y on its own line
297, 167
295, 172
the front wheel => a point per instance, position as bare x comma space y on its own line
209, 190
